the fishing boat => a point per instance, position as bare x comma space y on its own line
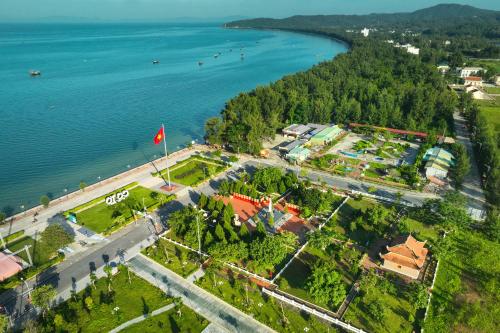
156, 62
200, 63
35, 73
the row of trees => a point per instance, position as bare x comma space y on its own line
373, 83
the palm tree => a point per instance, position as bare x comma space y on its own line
109, 272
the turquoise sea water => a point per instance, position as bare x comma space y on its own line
99, 101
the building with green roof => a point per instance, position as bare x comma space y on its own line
298, 154
325, 136
439, 161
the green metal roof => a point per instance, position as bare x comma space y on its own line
327, 133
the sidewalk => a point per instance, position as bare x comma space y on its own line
201, 301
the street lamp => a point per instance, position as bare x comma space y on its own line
22, 209
198, 227
27, 287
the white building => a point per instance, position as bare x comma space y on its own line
468, 71
497, 80
474, 81
365, 32
409, 48
443, 69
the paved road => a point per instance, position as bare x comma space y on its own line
471, 186
201, 301
344, 183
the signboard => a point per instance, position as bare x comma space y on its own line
116, 197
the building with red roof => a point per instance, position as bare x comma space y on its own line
474, 81
407, 257
10, 265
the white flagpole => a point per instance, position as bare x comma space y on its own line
166, 155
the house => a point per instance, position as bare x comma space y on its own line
439, 161
406, 256
468, 71
296, 130
497, 80
365, 32
10, 265
443, 69
475, 81
325, 136
409, 48
298, 154
289, 146
476, 92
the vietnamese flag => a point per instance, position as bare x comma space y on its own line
159, 136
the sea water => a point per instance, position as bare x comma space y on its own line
100, 100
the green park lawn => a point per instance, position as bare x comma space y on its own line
193, 171
491, 110
294, 278
103, 218
37, 250
398, 316
179, 259
492, 90
170, 322
465, 295
130, 299
261, 307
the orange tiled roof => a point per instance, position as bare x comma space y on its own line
473, 78
411, 253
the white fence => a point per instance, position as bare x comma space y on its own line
305, 244
319, 314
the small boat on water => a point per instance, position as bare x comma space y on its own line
216, 56
156, 62
35, 73
200, 63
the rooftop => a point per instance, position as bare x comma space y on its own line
407, 251
473, 78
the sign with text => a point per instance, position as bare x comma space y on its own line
116, 197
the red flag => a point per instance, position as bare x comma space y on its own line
159, 136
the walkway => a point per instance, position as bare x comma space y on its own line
201, 301
471, 186
142, 318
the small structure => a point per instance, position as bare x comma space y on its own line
443, 69
407, 256
365, 32
326, 135
288, 147
10, 265
409, 48
468, 71
296, 130
298, 154
476, 92
474, 81
497, 80
439, 161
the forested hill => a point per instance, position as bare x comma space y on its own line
439, 15
373, 83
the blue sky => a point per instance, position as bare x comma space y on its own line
165, 9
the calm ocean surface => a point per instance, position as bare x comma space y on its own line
99, 101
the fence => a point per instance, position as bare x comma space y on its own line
320, 314
305, 244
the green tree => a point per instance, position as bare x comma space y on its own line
376, 310
55, 237
42, 297
320, 239
462, 164
268, 251
325, 285
89, 303
82, 185
2, 217
4, 323
58, 321
260, 230
45, 201
244, 233
203, 200
219, 233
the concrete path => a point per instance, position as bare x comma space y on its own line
142, 318
471, 186
201, 301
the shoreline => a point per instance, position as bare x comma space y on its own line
70, 195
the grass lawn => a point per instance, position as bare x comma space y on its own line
193, 171
132, 300
178, 258
465, 294
491, 110
492, 90
37, 251
422, 231
294, 278
397, 312
103, 218
347, 214
170, 322
264, 309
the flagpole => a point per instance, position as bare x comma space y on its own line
166, 155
